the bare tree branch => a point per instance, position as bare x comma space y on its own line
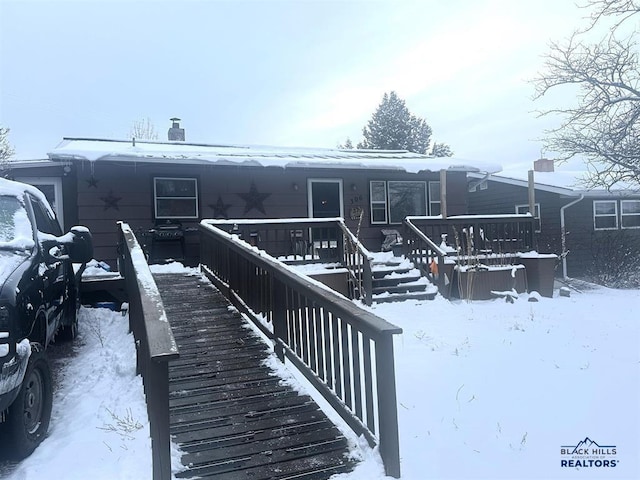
602, 126
143, 130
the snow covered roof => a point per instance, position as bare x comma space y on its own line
567, 179
36, 163
96, 150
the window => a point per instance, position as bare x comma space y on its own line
605, 214
378, 191
406, 198
434, 198
393, 200
14, 221
522, 209
175, 197
630, 213
45, 223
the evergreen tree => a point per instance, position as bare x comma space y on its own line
348, 145
393, 127
441, 150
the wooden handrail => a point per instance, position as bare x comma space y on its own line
276, 237
469, 237
358, 261
329, 338
155, 345
421, 250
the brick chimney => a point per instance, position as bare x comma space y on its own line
176, 134
543, 165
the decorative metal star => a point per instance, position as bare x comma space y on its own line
111, 201
220, 208
254, 199
92, 182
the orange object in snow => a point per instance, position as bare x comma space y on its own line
433, 266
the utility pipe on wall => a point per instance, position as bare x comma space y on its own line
443, 193
563, 233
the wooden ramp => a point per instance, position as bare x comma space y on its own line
230, 413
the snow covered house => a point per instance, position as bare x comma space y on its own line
164, 189
602, 227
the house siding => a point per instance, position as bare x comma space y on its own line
132, 186
587, 248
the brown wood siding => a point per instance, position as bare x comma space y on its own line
584, 243
287, 197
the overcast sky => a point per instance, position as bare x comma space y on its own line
288, 73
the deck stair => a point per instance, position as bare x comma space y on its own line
231, 415
397, 280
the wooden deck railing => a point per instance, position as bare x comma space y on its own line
491, 239
155, 345
346, 353
422, 251
309, 240
358, 261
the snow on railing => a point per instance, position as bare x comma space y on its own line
155, 345
345, 352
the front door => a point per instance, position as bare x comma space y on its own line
325, 201
325, 198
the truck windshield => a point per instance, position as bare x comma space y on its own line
15, 228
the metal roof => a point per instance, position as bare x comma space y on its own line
97, 150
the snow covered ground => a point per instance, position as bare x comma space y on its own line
485, 390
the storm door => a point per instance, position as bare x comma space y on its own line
325, 201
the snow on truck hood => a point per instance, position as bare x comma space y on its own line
95, 150
9, 261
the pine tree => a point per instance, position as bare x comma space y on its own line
347, 145
441, 150
393, 127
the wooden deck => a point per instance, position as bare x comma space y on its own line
230, 413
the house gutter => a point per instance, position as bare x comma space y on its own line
564, 243
477, 183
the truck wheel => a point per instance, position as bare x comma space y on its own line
28, 416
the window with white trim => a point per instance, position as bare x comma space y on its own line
378, 195
406, 198
393, 200
175, 198
605, 214
434, 199
630, 213
522, 209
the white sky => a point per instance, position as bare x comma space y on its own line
287, 73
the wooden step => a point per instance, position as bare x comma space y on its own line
401, 297
230, 413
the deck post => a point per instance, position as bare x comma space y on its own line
443, 193
368, 282
387, 404
158, 398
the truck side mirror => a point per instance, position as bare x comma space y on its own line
81, 248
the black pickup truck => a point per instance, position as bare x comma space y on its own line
38, 301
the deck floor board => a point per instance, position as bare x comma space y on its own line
231, 415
